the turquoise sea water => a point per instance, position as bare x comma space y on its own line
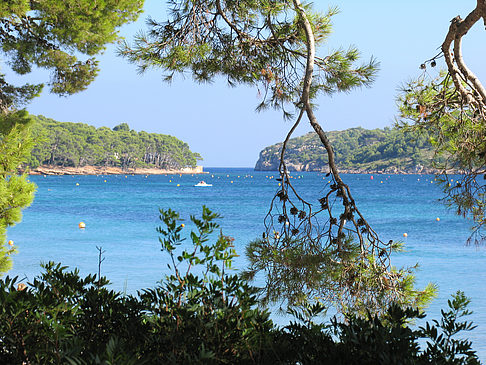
121, 216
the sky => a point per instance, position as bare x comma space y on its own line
221, 123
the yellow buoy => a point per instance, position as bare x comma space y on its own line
405, 235
77, 184
178, 184
10, 243
104, 180
279, 184
82, 225
183, 225
437, 219
232, 181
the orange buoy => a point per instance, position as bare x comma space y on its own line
437, 219
21, 286
82, 225
10, 243
405, 235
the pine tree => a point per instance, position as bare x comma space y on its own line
327, 250
49, 34
451, 108
16, 192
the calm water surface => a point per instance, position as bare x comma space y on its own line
121, 215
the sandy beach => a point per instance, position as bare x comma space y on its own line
101, 170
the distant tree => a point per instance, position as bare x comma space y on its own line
330, 252
79, 144
48, 34
452, 110
122, 127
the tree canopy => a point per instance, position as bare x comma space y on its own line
328, 252
53, 35
387, 150
79, 144
452, 109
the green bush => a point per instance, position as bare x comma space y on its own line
200, 314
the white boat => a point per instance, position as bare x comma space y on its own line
203, 183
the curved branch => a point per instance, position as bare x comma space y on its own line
459, 71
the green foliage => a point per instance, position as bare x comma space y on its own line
442, 347
16, 192
356, 149
298, 274
213, 318
200, 314
206, 315
52, 34
45, 34
457, 131
78, 144
61, 317
259, 43
185, 320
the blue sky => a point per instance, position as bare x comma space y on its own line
221, 123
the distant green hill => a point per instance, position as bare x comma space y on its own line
77, 144
357, 150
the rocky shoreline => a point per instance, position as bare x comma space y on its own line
102, 170
418, 170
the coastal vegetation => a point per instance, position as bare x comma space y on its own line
451, 108
387, 150
272, 45
201, 313
16, 192
54, 36
78, 144
311, 258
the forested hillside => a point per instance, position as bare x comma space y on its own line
77, 144
356, 149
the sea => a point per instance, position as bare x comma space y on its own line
121, 214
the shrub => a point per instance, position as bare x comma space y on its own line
200, 314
